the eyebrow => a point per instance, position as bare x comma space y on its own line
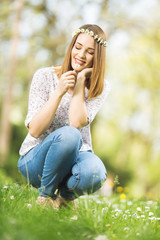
82, 45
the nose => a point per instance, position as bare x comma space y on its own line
81, 54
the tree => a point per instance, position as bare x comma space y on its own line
5, 132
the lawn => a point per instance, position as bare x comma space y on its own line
96, 217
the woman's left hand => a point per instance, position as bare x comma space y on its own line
84, 74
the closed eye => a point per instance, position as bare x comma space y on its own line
92, 53
77, 48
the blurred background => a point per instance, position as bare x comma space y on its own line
126, 132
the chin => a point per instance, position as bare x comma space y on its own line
78, 68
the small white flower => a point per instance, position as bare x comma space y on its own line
87, 31
138, 234
11, 197
96, 37
74, 33
5, 187
105, 44
147, 209
134, 215
101, 237
139, 209
125, 216
158, 219
74, 217
153, 219
82, 30
143, 216
119, 211
129, 203
101, 42
127, 211
151, 214
91, 33
104, 210
29, 205
126, 229
99, 202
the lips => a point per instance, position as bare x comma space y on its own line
78, 61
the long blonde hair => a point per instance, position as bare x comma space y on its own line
96, 82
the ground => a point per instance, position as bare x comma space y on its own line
96, 217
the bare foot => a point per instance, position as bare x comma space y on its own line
64, 202
48, 202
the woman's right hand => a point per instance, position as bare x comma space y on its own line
67, 80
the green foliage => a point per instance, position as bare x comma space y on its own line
95, 218
4, 178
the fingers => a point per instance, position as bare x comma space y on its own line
69, 78
69, 83
70, 73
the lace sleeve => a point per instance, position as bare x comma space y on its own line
38, 94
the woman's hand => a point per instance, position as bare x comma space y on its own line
67, 80
84, 74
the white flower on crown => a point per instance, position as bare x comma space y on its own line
91, 33
99, 39
96, 37
101, 42
105, 44
82, 30
87, 31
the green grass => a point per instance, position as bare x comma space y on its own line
96, 217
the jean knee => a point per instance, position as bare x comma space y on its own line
102, 178
93, 178
97, 176
71, 137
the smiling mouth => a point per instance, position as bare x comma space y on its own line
80, 62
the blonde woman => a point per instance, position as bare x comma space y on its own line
57, 152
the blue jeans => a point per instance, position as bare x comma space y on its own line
57, 163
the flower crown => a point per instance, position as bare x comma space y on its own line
91, 33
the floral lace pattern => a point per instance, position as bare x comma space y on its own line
43, 84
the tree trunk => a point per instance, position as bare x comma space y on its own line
5, 133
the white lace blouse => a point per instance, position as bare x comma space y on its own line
43, 84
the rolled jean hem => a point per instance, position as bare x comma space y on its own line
53, 196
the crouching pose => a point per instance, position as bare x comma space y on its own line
56, 155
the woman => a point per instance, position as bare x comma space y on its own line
57, 152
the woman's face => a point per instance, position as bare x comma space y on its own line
82, 52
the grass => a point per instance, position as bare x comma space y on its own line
96, 217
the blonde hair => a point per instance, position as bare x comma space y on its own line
96, 82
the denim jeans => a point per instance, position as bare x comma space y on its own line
57, 163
